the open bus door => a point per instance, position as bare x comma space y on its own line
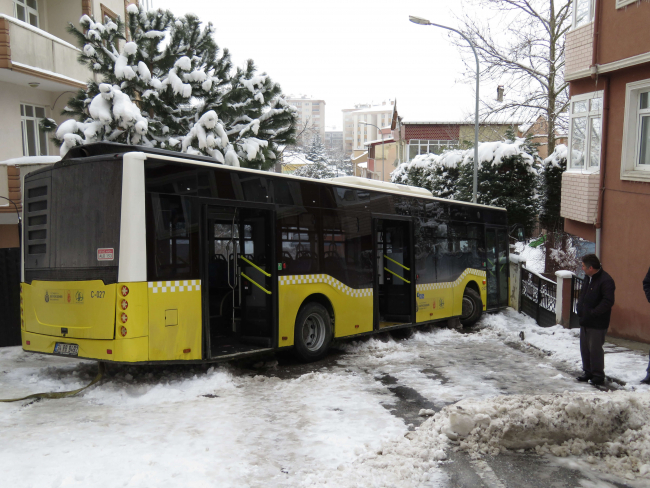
394, 280
497, 247
240, 296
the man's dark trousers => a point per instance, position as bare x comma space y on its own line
595, 309
591, 350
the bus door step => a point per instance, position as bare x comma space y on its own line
256, 341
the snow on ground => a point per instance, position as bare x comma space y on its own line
533, 256
197, 426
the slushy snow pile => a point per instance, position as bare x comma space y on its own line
611, 429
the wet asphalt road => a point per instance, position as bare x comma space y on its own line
454, 370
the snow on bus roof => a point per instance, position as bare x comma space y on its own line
27, 160
377, 185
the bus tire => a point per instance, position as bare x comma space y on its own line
313, 332
472, 308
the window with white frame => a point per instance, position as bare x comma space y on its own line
624, 3
583, 12
635, 159
585, 131
27, 11
418, 146
34, 139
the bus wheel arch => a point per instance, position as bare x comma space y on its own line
472, 307
314, 328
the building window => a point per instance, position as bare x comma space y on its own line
417, 146
27, 11
34, 139
585, 133
583, 12
635, 160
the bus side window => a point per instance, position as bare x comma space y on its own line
298, 248
175, 238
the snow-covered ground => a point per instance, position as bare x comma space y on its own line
333, 426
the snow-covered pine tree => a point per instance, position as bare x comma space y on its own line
320, 166
171, 86
507, 177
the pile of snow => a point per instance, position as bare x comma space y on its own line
611, 429
534, 257
448, 159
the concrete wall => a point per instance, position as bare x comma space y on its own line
624, 31
57, 15
11, 96
33, 49
625, 235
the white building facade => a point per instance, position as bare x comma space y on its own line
361, 124
310, 118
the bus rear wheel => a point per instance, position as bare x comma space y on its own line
313, 332
472, 308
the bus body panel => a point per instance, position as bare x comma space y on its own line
175, 323
478, 277
352, 307
126, 351
72, 309
131, 311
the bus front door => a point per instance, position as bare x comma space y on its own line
394, 276
239, 270
497, 267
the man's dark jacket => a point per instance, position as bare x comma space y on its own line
646, 285
596, 301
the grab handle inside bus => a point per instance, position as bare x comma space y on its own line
255, 266
397, 263
397, 275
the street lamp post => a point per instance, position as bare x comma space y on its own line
421, 21
383, 159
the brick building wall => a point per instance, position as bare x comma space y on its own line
431, 132
580, 196
579, 49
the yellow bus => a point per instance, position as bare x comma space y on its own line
136, 255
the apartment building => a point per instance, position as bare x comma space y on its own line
362, 123
310, 118
606, 188
39, 73
334, 140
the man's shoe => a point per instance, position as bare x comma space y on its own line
585, 377
646, 380
597, 380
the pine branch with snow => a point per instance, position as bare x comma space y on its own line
171, 86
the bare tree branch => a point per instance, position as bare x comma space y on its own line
525, 54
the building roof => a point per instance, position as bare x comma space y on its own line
459, 122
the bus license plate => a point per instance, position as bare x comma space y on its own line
67, 349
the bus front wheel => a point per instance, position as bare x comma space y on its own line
313, 332
472, 308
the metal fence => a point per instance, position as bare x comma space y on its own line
538, 297
9, 297
576, 287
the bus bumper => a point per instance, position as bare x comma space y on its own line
133, 350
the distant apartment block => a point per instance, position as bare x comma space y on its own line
359, 124
334, 140
311, 118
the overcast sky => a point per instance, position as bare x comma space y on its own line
348, 51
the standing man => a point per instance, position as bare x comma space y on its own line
646, 289
594, 309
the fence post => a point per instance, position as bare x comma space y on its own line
515, 281
563, 298
539, 298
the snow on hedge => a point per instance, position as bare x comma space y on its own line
561, 152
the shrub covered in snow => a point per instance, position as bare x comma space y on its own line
319, 165
507, 176
172, 87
